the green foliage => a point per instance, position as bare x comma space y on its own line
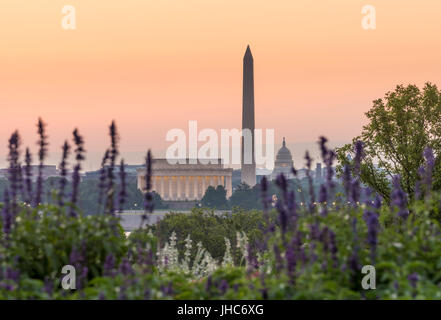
246, 198
400, 126
215, 198
209, 228
43, 239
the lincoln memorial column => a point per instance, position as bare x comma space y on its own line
162, 187
170, 190
140, 182
165, 180
228, 186
187, 187
195, 187
204, 178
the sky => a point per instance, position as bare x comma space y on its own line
155, 65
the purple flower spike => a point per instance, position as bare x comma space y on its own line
13, 171
223, 286
311, 187
79, 156
399, 198
63, 172
126, 268
347, 182
103, 177
109, 265
148, 200
323, 198
7, 214
113, 153
28, 176
413, 279
42, 153
122, 192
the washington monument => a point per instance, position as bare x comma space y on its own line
248, 173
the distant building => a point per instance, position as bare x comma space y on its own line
47, 172
283, 163
183, 182
130, 171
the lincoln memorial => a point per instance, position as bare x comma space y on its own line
181, 182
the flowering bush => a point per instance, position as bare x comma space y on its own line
316, 251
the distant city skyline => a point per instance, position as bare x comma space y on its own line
153, 66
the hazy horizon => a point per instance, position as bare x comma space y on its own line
153, 66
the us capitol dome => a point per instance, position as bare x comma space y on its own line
283, 163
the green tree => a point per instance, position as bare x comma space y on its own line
400, 126
246, 198
215, 198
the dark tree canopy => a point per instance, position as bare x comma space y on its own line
215, 198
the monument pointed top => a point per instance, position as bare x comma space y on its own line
284, 144
248, 52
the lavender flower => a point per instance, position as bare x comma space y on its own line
291, 261
42, 153
208, 284
328, 158
79, 156
14, 154
355, 191
266, 200
399, 198
223, 286
28, 176
323, 198
354, 263
167, 290
63, 173
347, 182
278, 258
413, 279
13, 275
148, 201
48, 286
371, 219
292, 206
109, 265
324, 150
102, 182
283, 217
282, 184
7, 214
333, 248
377, 202
113, 153
122, 192
126, 268
311, 187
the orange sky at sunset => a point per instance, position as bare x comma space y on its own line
155, 65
